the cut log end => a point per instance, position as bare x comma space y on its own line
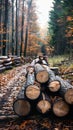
21, 107
69, 96
32, 92
60, 108
42, 76
54, 86
43, 106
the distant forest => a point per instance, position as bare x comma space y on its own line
60, 26
18, 26
20, 31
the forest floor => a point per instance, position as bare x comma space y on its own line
11, 85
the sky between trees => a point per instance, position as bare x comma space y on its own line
43, 9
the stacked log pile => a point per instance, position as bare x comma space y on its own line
9, 62
12, 61
16, 60
2, 67
44, 93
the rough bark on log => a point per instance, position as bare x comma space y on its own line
22, 107
53, 85
44, 105
32, 92
30, 78
66, 90
60, 108
50, 72
42, 75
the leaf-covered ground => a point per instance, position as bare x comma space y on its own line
11, 83
37, 124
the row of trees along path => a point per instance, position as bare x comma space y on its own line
18, 21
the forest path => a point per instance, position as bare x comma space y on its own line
11, 84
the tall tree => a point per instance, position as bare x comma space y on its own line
12, 27
27, 26
5, 27
15, 33
22, 29
9, 26
33, 31
1, 6
17, 16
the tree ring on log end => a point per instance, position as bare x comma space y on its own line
60, 108
21, 107
43, 106
42, 76
32, 92
54, 86
69, 96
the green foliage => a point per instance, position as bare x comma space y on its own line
56, 59
60, 25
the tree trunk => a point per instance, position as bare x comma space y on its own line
53, 85
60, 108
27, 26
5, 27
22, 107
42, 75
30, 78
12, 28
8, 46
22, 30
66, 90
1, 6
17, 45
32, 91
26, 41
50, 72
